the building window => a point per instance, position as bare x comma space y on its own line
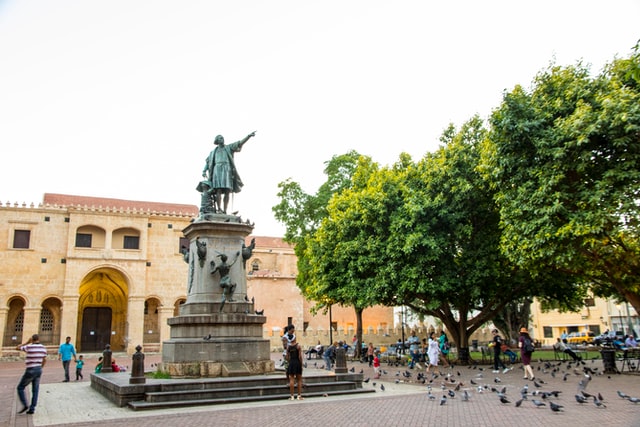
83, 240
131, 242
589, 302
21, 239
46, 320
547, 331
183, 245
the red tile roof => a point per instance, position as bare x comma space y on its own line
69, 200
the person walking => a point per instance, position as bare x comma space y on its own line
496, 343
329, 354
526, 349
433, 351
79, 365
370, 353
66, 352
35, 359
414, 349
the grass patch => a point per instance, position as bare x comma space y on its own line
158, 375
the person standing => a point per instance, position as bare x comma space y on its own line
294, 369
496, 343
414, 349
35, 359
220, 170
370, 352
66, 352
376, 364
329, 354
525, 342
443, 343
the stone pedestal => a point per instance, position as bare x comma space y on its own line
217, 332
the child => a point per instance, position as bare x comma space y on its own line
376, 364
506, 350
99, 365
79, 365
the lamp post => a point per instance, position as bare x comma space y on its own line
402, 326
629, 324
330, 327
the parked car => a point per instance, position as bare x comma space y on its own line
584, 338
607, 338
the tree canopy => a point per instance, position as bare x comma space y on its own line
565, 159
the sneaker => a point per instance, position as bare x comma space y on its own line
496, 371
505, 370
292, 398
30, 412
300, 397
23, 410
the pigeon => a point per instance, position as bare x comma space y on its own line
452, 393
353, 369
538, 403
622, 395
431, 396
634, 400
504, 400
260, 312
598, 403
555, 407
473, 382
581, 399
366, 380
496, 380
537, 384
466, 396
382, 387
443, 400
518, 403
207, 338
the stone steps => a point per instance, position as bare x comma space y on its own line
184, 398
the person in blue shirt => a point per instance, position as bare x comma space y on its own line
414, 349
66, 352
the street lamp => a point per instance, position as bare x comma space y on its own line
402, 325
330, 328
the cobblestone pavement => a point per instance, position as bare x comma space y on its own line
404, 402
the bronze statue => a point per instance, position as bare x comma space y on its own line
220, 170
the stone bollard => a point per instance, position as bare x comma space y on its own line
137, 367
106, 359
341, 360
609, 360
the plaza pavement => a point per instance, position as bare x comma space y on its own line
404, 402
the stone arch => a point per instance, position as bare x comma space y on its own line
177, 305
49, 325
102, 310
15, 321
151, 322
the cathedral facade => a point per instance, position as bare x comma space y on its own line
110, 271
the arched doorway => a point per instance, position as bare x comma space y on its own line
102, 311
15, 323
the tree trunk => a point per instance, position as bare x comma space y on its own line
356, 351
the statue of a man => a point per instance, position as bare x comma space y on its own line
220, 170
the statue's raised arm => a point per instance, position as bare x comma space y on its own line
220, 170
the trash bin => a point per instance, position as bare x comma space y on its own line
609, 360
474, 345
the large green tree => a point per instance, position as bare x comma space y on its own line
565, 159
301, 213
427, 236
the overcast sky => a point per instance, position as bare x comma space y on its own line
123, 99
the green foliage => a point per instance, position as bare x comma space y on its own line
565, 157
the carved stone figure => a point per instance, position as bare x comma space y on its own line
225, 279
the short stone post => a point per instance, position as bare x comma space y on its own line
341, 360
137, 367
106, 359
609, 360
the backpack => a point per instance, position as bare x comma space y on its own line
527, 346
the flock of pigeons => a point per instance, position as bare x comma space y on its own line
540, 395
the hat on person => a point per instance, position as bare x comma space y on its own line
524, 331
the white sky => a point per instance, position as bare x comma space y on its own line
123, 99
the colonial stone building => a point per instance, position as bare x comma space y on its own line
110, 271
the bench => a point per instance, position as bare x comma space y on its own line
631, 359
313, 351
